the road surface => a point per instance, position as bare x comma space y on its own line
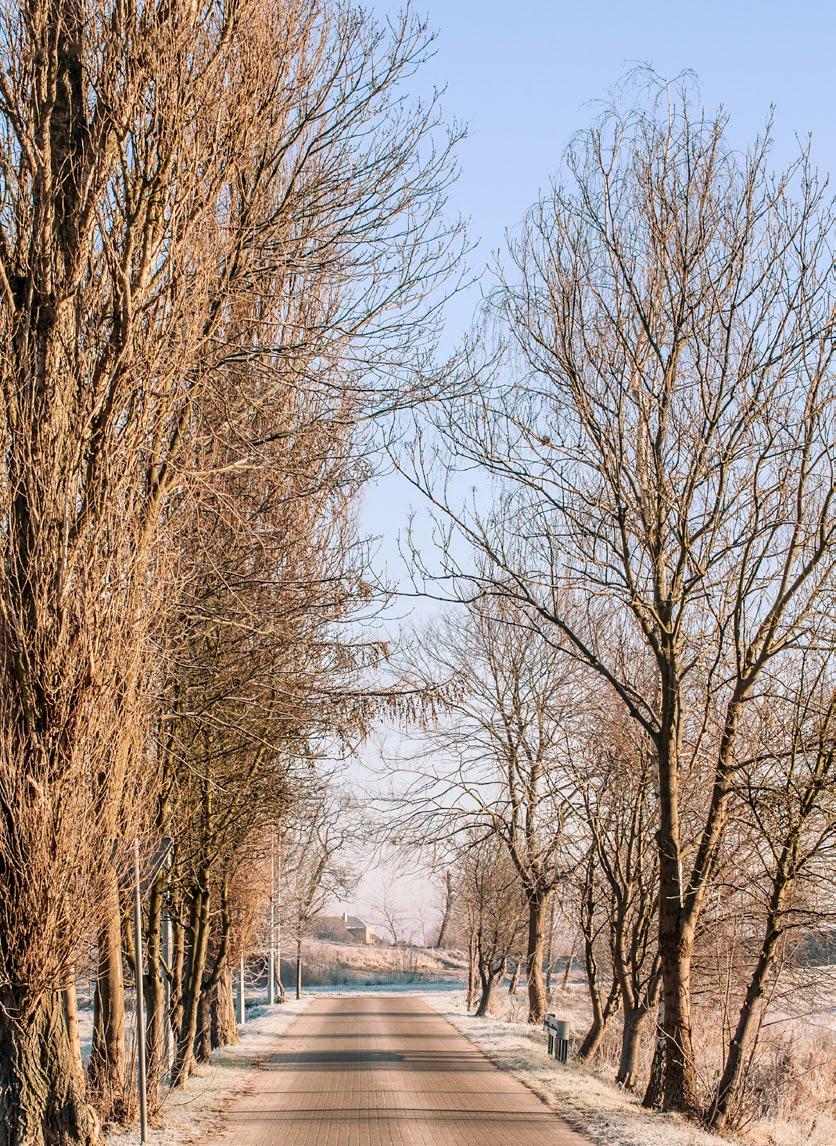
375, 1070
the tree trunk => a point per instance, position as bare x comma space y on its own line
192, 982
676, 934
177, 969
71, 1018
488, 977
203, 1035
299, 967
471, 972
207, 1009
515, 977
601, 1012
106, 1069
448, 908
628, 1064
601, 1016
732, 1077
570, 960
224, 1021
538, 904
675, 949
155, 1008
550, 949
42, 1092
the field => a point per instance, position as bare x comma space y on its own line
327, 964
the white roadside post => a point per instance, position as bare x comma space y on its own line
140, 1001
167, 952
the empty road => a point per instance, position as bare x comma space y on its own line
373, 1070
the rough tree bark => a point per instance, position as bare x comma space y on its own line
224, 1020
538, 904
106, 1069
42, 1099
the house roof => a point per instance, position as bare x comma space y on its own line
352, 921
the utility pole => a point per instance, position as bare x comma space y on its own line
279, 926
139, 964
167, 952
271, 994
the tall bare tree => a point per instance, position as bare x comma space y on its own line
317, 869
621, 808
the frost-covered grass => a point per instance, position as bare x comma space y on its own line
192, 1112
588, 1099
604, 1112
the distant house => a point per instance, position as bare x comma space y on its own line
343, 928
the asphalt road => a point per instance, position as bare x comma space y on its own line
376, 1070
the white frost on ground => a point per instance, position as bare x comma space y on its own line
604, 1112
196, 1109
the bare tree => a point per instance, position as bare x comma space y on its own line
496, 757
446, 911
595, 927
790, 786
316, 868
498, 909
660, 436
622, 817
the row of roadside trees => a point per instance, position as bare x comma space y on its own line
223, 246
639, 672
222, 234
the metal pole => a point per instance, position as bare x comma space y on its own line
167, 953
140, 1001
272, 970
279, 926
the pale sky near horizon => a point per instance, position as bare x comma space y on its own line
522, 77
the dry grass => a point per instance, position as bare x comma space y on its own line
344, 964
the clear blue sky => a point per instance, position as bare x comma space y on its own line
522, 75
